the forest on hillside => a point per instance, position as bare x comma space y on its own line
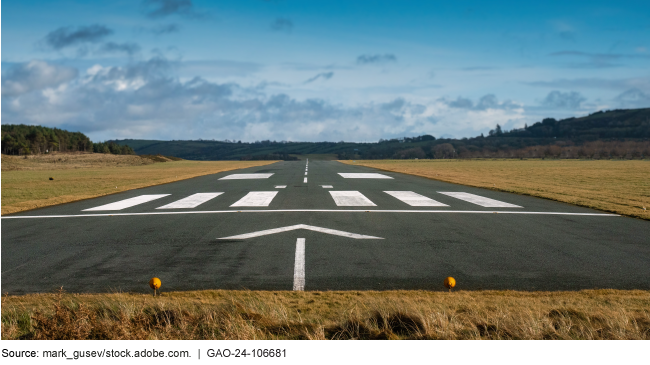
604, 134
31, 139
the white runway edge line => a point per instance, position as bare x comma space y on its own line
246, 176
363, 176
308, 211
479, 200
191, 201
256, 199
301, 226
415, 199
299, 266
127, 203
351, 199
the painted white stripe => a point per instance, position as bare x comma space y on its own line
305, 180
327, 186
309, 211
246, 176
301, 226
305, 173
191, 201
479, 200
127, 203
351, 199
280, 186
415, 199
256, 199
299, 266
363, 176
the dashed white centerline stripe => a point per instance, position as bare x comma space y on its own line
256, 199
280, 186
299, 266
351, 199
327, 186
191, 201
479, 200
415, 199
305, 180
127, 203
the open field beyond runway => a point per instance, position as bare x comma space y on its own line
244, 315
616, 186
26, 184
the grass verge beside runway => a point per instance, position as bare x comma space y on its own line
26, 184
218, 314
621, 187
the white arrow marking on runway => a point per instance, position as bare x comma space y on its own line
301, 226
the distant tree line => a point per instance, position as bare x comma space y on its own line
271, 156
29, 139
611, 134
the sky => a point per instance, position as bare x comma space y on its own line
317, 70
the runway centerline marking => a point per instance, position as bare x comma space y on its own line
191, 201
348, 175
127, 203
305, 180
309, 211
351, 199
299, 266
415, 199
479, 200
280, 186
256, 199
246, 176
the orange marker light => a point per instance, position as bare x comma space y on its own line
450, 283
154, 283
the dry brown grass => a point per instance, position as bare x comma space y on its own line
26, 183
218, 314
621, 187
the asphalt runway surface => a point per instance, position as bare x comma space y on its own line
323, 230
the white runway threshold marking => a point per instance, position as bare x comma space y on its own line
299, 266
191, 201
479, 200
127, 203
246, 176
301, 226
415, 199
256, 199
351, 199
363, 176
337, 211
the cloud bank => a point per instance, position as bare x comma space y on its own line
146, 100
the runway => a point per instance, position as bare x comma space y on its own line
320, 225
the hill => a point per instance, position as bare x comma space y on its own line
614, 133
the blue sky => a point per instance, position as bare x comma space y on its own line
317, 70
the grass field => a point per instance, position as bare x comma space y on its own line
26, 183
621, 187
590, 314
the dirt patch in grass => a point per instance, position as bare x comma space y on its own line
219, 314
41, 181
617, 186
